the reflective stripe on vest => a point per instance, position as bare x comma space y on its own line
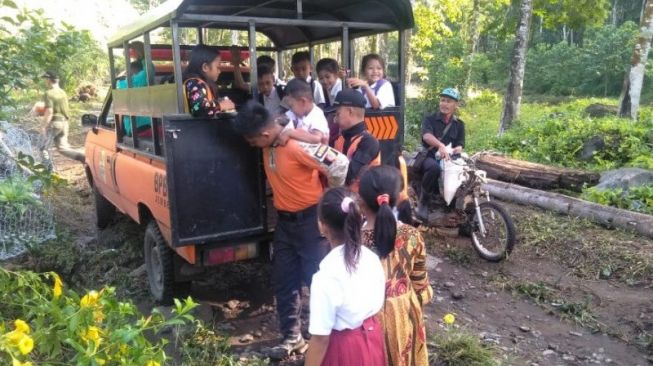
340, 146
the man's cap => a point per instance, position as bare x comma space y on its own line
50, 75
451, 93
349, 98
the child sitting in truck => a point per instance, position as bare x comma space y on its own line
302, 69
200, 83
270, 94
328, 73
310, 124
376, 89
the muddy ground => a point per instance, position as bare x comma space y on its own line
572, 293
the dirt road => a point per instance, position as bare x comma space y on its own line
572, 293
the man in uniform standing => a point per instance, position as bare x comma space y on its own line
55, 119
292, 171
355, 141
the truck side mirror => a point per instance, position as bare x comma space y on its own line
89, 120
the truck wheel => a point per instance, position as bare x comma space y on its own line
104, 210
159, 262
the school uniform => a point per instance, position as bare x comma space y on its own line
334, 129
331, 96
314, 120
292, 171
272, 102
384, 93
318, 93
344, 305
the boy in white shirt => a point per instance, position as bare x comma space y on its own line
302, 69
270, 95
310, 124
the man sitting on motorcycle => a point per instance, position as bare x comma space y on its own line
438, 131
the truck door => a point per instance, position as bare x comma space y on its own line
101, 147
216, 186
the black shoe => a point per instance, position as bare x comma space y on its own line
289, 346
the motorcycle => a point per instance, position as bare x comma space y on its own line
465, 205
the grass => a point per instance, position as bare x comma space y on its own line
456, 347
200, 346
551, 299
590, 251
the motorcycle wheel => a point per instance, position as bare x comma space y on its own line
499, 237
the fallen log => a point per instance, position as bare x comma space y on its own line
534, 175
605, 215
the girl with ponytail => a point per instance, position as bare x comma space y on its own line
347, 292
403, 255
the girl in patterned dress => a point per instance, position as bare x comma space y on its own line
200, 83
403, 255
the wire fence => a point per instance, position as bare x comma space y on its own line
26, 219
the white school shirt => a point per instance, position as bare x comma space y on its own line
342, 300
272, 102
385, 95
314, 120
337, 88
318, 94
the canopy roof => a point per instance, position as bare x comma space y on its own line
288, 23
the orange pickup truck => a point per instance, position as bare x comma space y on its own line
197, 187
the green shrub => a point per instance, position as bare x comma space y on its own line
639, 199
558, 138
42, 322
454, 347
31, 43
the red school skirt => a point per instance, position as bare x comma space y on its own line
362, 346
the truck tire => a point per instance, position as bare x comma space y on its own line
159, 262
104, 210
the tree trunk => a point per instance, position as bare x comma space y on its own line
409, 60
624, 98
512, 99
535, 175
614, 13
605, 215
635, 75
474, 32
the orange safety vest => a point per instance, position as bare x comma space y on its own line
209, 92
340, 146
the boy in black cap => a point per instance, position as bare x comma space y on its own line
55, 118
360, 146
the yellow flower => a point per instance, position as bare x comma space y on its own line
123, 349
100, 361
14, 337
15, 362
89, 299
93, 334
26, 344
153, 363
21, 326
56, 290
449, 319
98, 315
